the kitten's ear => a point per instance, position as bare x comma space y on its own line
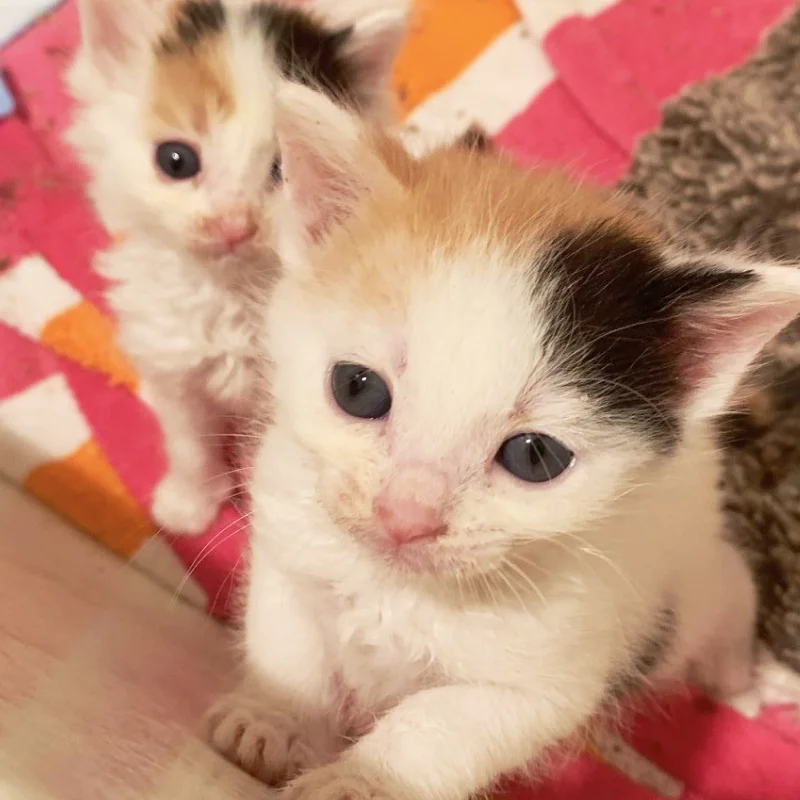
330, 167
112, 31
377, 30
728, 310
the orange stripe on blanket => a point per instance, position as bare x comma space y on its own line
85, 489
446, 36
85, 335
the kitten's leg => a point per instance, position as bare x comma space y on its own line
725, 665
776, 684
189, 495
739, 673
453, 741
277, 722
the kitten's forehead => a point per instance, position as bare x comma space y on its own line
214, 60
193, 82
461, 203
575, 278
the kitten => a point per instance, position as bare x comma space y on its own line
176, 127
486, 503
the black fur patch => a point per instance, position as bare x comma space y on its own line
617, 323
309, 53
652, 651
194, 22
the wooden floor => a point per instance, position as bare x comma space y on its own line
104, 678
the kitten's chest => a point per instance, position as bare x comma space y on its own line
175, 319
391, 644
228, 366
383, 653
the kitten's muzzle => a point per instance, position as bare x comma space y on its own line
232, 228
411, 505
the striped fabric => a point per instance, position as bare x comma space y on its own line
573, 82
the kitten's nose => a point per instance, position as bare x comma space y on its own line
405, 521
233, 228
411, 504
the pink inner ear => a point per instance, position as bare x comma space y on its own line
105, 27
115, 27
323, 193
714, 341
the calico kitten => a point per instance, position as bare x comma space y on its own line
176, 127
487, 497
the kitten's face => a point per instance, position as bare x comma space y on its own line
179, 123
468, 360
444, 433
472, 368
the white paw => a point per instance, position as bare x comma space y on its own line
265, 745
187, 504
747, 703
775, 684
338, 781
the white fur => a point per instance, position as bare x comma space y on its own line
469, 677
182, 305
503, 637
181, 308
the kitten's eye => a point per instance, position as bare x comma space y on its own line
276, 176
177, 160
535, 457
360, 392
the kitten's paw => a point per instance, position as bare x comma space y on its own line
775, 684
187, 505
339, 781
730, 674
268, 745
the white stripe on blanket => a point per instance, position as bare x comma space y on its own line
40, 424
541, 16
480, 94
32, 293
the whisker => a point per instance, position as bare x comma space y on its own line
590, 550
209, 548
219, 475
230, 580
507, 582
231, 435
528, 581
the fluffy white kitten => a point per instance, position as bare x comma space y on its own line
486, 505
176, 127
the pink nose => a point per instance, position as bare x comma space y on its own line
406, 521
232, 228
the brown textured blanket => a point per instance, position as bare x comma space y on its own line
724, 171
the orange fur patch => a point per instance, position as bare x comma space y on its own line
451, 200
193, 86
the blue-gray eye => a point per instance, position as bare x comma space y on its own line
535, 457
177, 160
360, 392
